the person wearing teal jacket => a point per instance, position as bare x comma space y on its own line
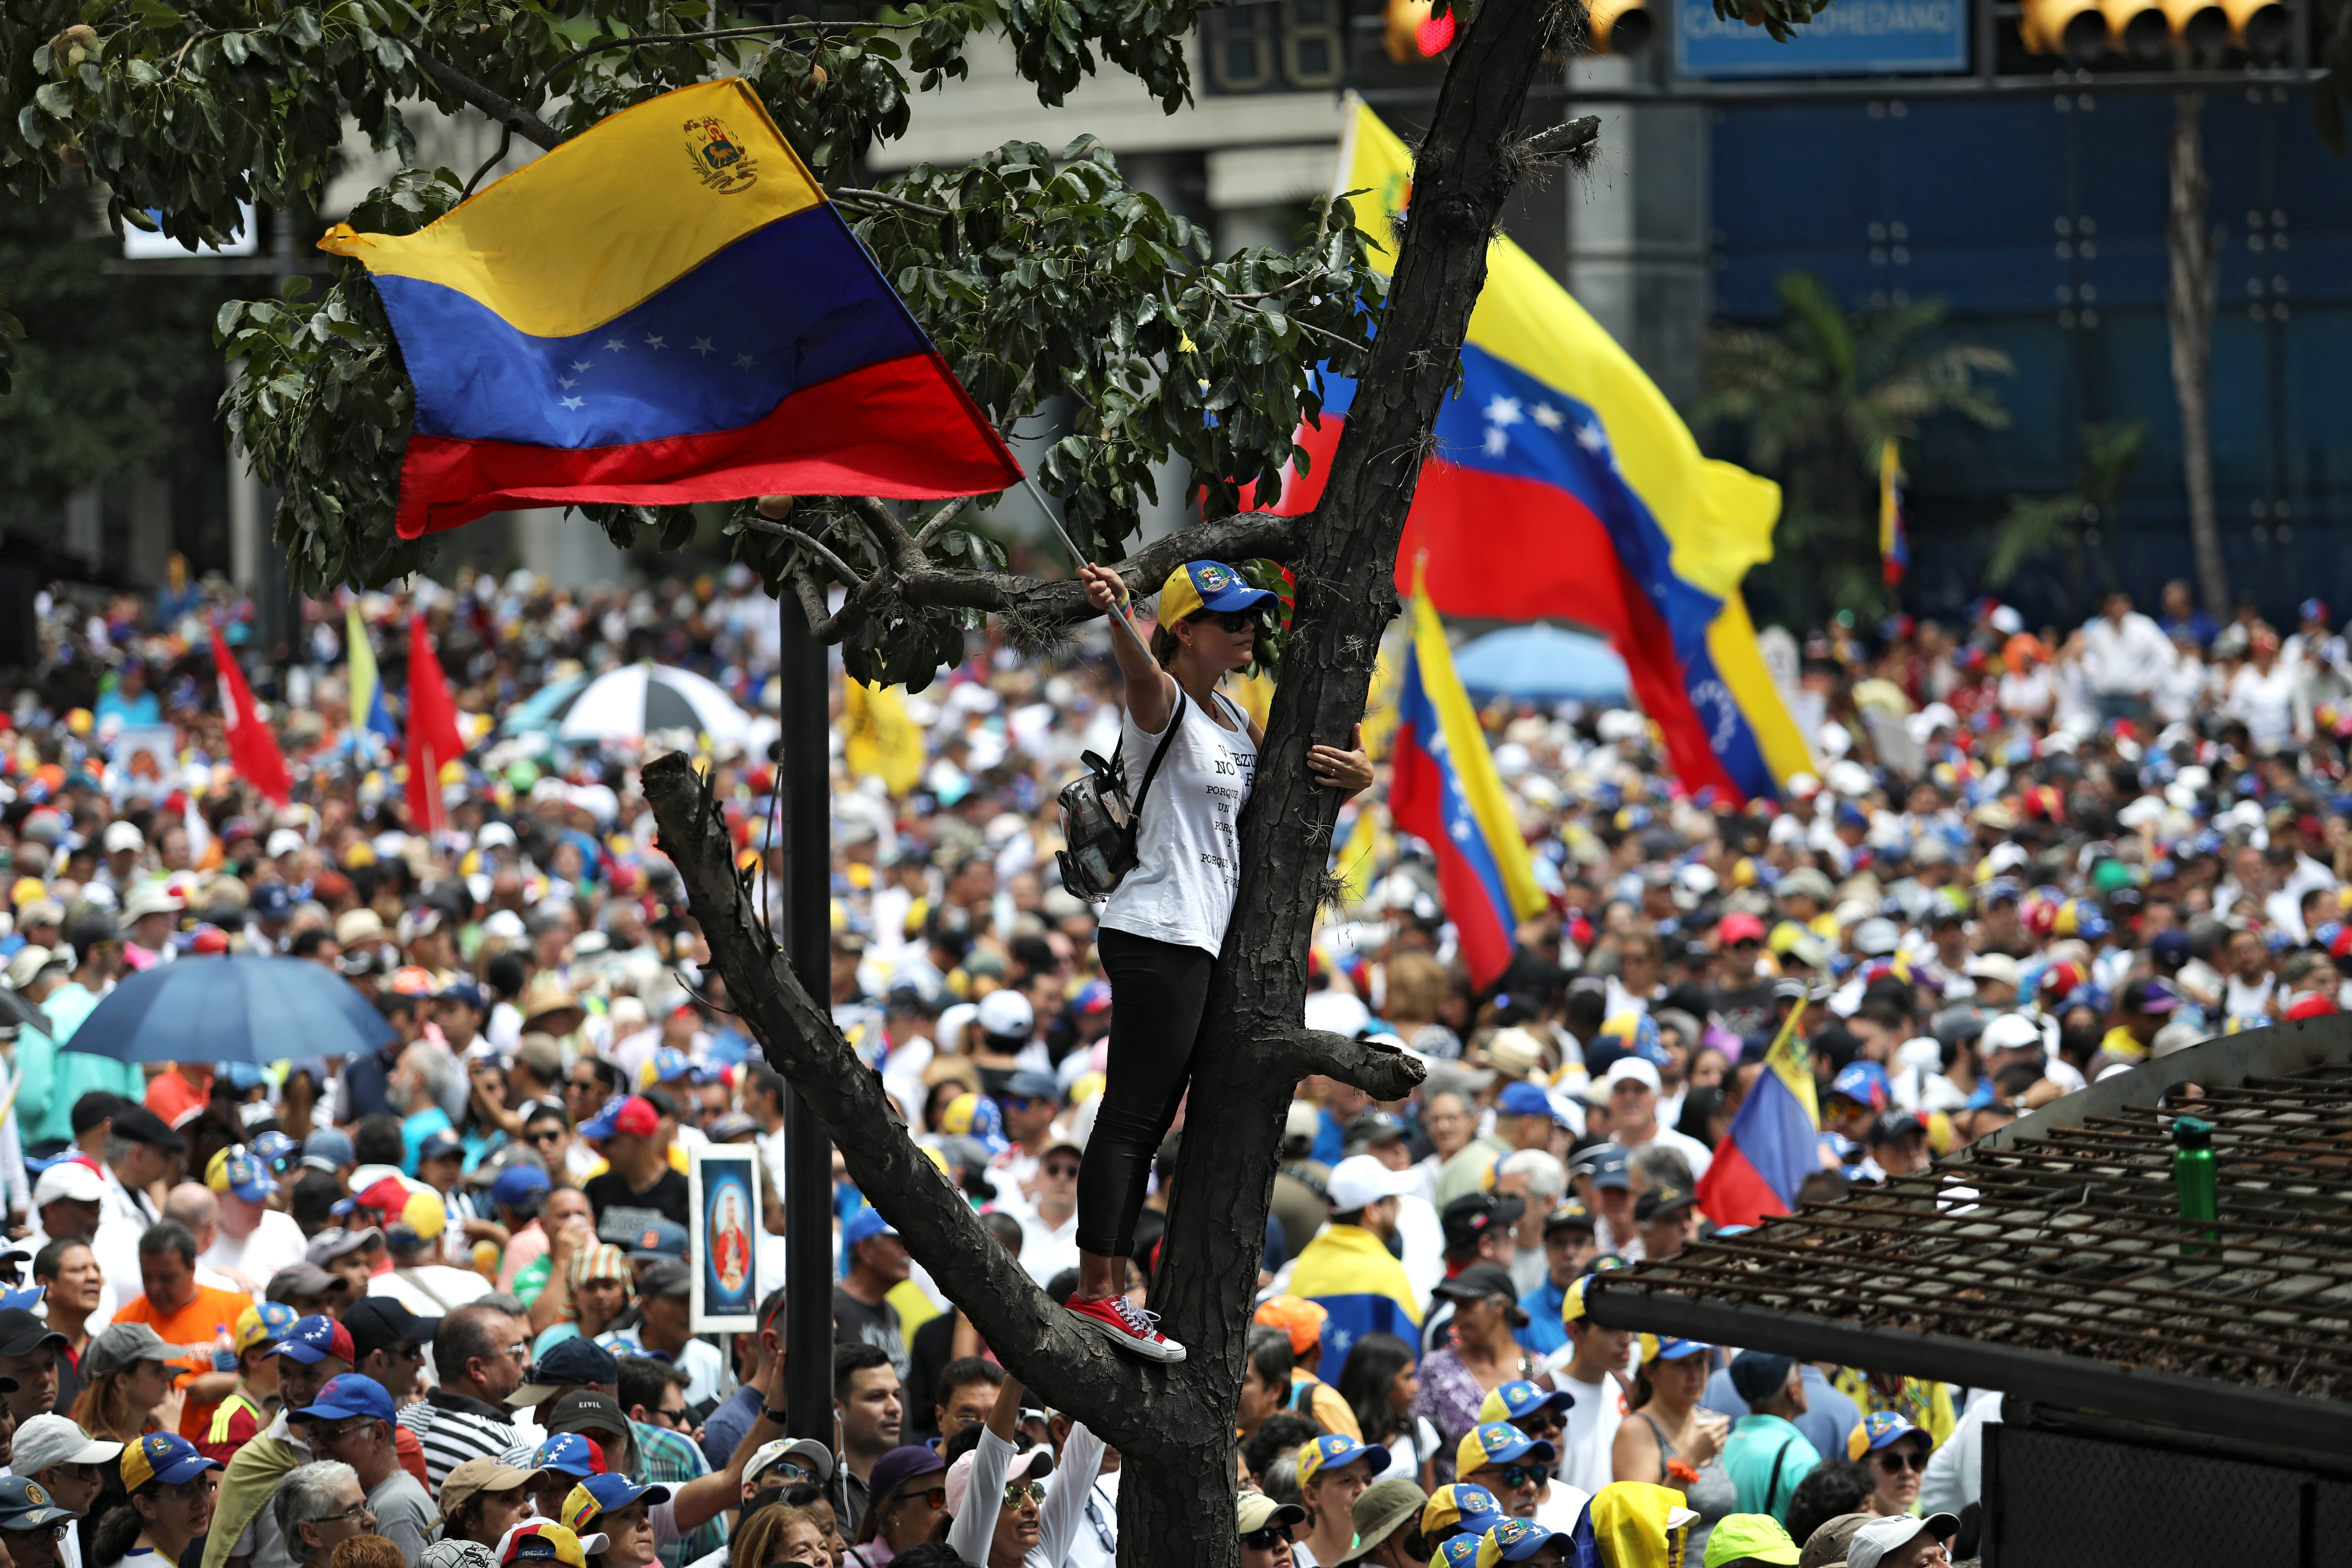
1765, 1454
52, 1078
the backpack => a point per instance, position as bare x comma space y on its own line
1098, 824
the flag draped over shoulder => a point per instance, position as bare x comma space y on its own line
433, 738
251, 747
1443, 787
1564, 485
663, 310
1771, 1145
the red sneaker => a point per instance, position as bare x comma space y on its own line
1127, 1326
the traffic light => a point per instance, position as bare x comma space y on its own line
2199, 27
2136, 27
1413, 33
1620, 26
2260, 28
2075, 29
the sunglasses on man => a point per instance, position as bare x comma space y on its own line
1894, 1464
1264, 1540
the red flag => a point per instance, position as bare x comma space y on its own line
252, 749
433, 738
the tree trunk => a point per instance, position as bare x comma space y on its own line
1175, 1426
2195, 253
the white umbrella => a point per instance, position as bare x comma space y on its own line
632, 702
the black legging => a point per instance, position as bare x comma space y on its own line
1159, 991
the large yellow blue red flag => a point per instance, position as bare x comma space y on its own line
1444, 788
1565, 485
371, 719
665, 309
1771, 1145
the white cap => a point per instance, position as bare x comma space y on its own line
71, 1179
52, 1439
152, 899
1995, 966
1006, 1014
2011, 1032
121, 836
1360, 1179
283, 841
1633, 1069
1870, 1544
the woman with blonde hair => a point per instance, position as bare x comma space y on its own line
129, 1391
776, 1534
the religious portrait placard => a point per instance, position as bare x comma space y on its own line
723, 1184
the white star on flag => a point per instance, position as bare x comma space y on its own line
702, 346
614, 345
582, 364
566, 382
1497, 443
654, 340
1461, 831
744, 362
1589, 437
572, 403
1548, 417
1503, 411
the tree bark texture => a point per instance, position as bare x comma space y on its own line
2195, 253
1175, 1426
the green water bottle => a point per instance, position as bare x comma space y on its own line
2194, 1177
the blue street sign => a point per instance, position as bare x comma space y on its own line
1852, 37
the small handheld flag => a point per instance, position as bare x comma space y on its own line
665, 309
1770, 1146
371, 720
251, 747
1894, 534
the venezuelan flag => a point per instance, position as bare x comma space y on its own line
371, 720
664, 310
1565, 485
1443, 787
1894, 536
1771, 1145
1349, 1272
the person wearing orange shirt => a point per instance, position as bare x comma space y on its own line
193, 1319
180, 1092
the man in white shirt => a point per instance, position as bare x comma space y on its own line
1633, 1086
2125, 655
252, 1241
1049, 1230
1591, 1368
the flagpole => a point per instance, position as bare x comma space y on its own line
1119, 611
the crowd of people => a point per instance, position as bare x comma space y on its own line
439, 1295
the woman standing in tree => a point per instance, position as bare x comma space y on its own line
1162, 928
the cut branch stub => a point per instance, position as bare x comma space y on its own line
1117, 1396
1384, 1072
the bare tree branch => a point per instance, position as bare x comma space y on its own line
850, 579
1575, 142
939, 520
889, 533
884, 199
1381, 1071
1123, 1398
1241, 537
505, 111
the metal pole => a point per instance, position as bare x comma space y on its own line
808, 1154
1118, 616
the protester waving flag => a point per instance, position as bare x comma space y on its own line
666, 309
1771, 1148
251, 746
433, 742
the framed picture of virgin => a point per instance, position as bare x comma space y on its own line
723, 1187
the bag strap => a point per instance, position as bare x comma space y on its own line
1135, 812
1773, 1487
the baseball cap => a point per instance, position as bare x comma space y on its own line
1028, 1083
1296, 1316
2150, 996
25, 1505
1383, 1509
1876, 1430
1995, 966
22, 1333
1479, 1281
666, 1277
1633, 1069
1458, 1552
262, 1323
1468, 1218
1894, 1126
1738, 927
337, 1242
814, 1460
518, 1184
117, 1345
313, 1339
1662, 1348
68, 1181
1372, 1127
544, 1541
1513, 1541
1568, 1215
164, 1456
351, 1394
2011, 1032
238, 1170
1660, 1201
1255, 1511
1361, 1180
660, 1238
1873, 1540
571, 1454
864, 1225
603, 1493
1006, 1014
566, 1363
1499, 1443
586, 1410
299, 1279
1028, 1467
1865, 1083
1751, 1538
52, 1439
473, 1477
379, 1322
1761, 1374
633, 1115
327, 1149
1520, 1398
1198, 586
1525, 1099
1462, 1504
1333, 1449
443, 1144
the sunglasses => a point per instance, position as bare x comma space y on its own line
1061, 1168
933, 1497
1264, 1540
1542, 1425
1233, 621
1896, 1464
552, 1135
1018, 1492
1518, 1476
1014, 1101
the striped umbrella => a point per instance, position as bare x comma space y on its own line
631, 702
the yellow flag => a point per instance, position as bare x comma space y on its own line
878, 740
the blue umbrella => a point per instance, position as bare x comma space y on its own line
233, 1008
1543, 664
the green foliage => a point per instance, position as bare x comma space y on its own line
1272, 617
1815, 399
107, 366
2036, 526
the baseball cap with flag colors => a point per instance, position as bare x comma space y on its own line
1198, 586
164, 1456
634, 1116
544, 1541
1513, 1541
1460, 1551
400, 1204
1496, 1442
606, 1493
262, 1322
1333, 1449
1463, 1505
1876, 1430
1512, 1399
313, 1339
239, 1171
